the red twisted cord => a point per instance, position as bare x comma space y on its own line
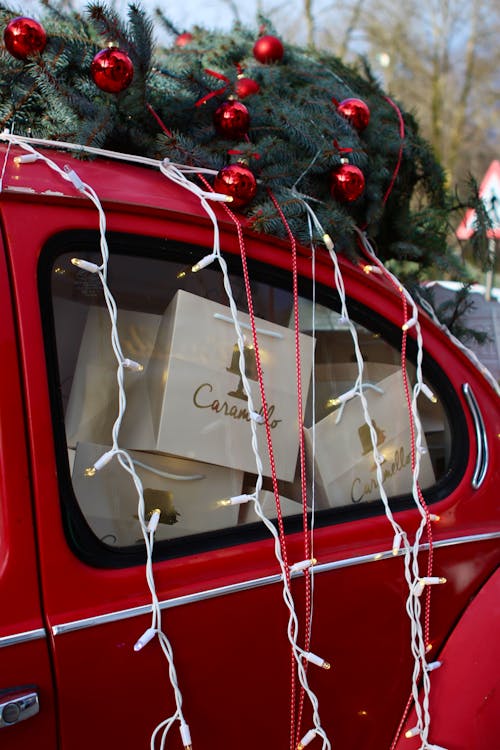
400, 153
428, 525
303, 477
274, 478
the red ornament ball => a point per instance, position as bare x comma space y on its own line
232, 120
237, 181
356, 111
24, 37
347, 183
112, 70
246, 87
183, 39
268, 49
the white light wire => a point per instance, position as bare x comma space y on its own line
410, 552
313, 414
173, 172
122, 456
468, 352
412, 572
104, 153
293, 626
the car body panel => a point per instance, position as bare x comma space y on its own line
223, 609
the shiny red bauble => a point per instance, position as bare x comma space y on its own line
24, 37
237, 181
246, 87
232, 120
356, 111
347, 183
183, 39
268, 49
112, 70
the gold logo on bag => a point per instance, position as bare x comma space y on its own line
365, 437
162, 500
250, 369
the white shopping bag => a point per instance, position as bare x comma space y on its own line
187, 493
197, 406
344, 466
267, 501
93, 401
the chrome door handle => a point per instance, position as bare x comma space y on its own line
482, 457
17, 705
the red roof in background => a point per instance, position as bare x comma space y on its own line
489, 190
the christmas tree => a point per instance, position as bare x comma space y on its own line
274, 120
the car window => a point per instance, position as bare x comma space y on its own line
187, 422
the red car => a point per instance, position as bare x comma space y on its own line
157, 362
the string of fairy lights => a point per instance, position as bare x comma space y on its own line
417, 582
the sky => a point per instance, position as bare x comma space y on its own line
183, 13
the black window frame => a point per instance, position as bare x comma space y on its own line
82, 540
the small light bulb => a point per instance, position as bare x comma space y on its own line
428, 648
409, 324
367, 268
317, 660
235, 500
306, 739
433, 665
427, 581
434, 517
154, 520
185, 735
257, 417
303, 565
412, 732
328, 242
396, 544
342, 398
147, 636
203, 263
26, 159
129, 364
72, 176
85, 265
91, 471
428, 393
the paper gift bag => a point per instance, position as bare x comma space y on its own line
198, 408
188, 493
93, 401
344, 465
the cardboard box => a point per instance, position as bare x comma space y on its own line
344, 465
197, 406
187, 493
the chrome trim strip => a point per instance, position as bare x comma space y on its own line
28, 635
89, 622
481, 439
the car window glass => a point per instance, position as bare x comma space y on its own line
187, 423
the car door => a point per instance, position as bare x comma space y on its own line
26, 687
215, 576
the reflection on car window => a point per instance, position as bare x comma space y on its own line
187, 419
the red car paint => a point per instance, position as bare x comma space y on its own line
231, 651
